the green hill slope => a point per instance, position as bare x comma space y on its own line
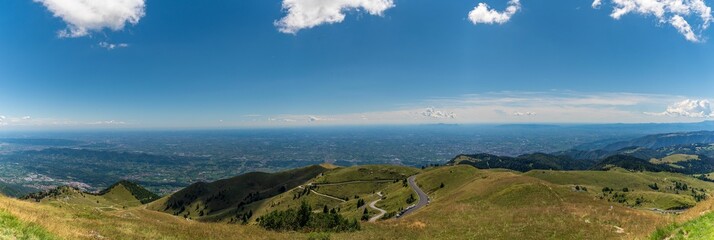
227, 198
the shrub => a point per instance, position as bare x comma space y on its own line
303, 219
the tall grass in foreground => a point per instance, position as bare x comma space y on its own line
700, 228
13, 228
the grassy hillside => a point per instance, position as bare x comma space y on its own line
662, 190
522, 163
466, 203
343, 188
367, 173
227, 199
13, 228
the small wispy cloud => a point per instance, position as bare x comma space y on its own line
519, 114
112, 46
431, 112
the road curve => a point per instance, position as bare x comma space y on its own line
381, 211
423, 198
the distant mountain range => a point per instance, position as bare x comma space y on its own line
685, 152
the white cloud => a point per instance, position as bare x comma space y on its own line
684, 28
596, 4
314, 119
430, 112
302, 14
109, 123
689, 108
483, 14
519, 114
667, 11
111, 46
85, 16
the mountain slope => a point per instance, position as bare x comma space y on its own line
227, 198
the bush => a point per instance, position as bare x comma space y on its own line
303, 219
411, 199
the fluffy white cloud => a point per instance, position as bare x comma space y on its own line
85, 16
430, 112
667, 11
303, 14
484, 14
111, 46
689, 108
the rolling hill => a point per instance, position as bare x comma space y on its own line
466, 203
227, 198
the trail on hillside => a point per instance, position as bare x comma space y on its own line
328, 196
351, 182
373, 206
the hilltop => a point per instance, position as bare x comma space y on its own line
122, 194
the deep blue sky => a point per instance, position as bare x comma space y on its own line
193, 63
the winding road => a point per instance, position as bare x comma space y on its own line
381, 211
423, 198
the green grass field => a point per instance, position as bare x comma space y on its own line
367, 173
13, 228
700, 228
638, 184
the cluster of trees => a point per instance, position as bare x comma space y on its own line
411, 199
360, 203
305, 191
303, 219
580, 188
240, 217
365, 215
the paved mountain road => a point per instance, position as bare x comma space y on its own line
423, 198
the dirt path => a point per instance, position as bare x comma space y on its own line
381, 211
328, 196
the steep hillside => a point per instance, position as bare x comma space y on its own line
227, 198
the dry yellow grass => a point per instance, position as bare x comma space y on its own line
473, 204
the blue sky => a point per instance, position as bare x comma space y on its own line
196, 64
